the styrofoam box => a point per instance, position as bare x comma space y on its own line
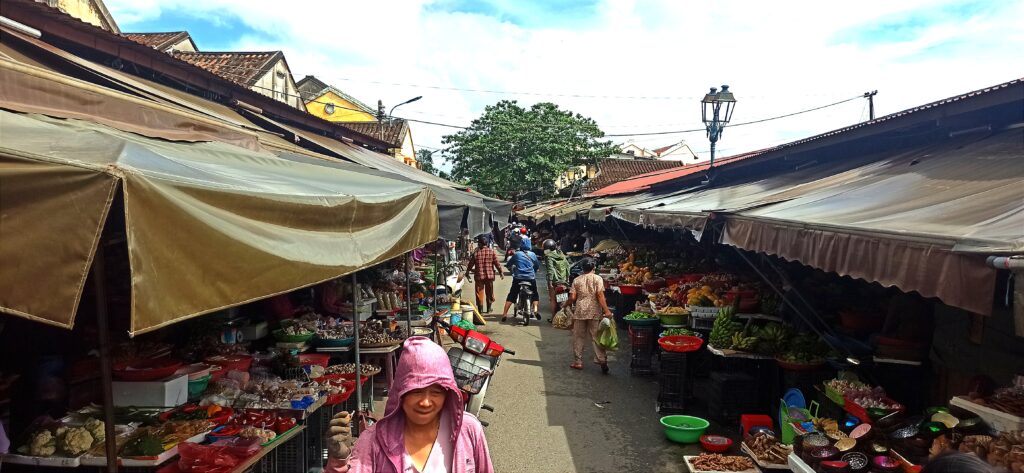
703, 312
170, 392
998, 420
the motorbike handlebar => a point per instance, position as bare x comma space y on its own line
510, 352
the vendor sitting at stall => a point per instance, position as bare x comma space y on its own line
333, 299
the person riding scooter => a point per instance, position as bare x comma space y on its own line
524, 265
557, 266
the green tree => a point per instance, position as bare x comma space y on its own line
426, 159
511, 151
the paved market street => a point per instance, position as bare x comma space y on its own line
547, 417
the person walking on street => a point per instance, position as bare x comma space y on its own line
483, 266
497, 236
523, 265
462, 246
590, 307
425, 428
557, 266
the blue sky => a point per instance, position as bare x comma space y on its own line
779, 57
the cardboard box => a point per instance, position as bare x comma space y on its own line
170, 392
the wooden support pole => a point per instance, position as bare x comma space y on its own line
102, 315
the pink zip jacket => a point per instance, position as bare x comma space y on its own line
381, 448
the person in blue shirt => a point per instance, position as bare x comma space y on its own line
524, 265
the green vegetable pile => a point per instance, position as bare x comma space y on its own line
805, 348
678, 331
146, 445
640, 316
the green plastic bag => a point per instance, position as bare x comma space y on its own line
608, 336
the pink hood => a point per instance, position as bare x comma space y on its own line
381, 448
423, 363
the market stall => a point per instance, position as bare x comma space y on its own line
766, 329
226, 205
179, 210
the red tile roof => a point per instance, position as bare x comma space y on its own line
158, 41
645, 181
664, 148
612, 170
392, 133
245, 68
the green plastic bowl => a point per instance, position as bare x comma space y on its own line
673, 319
197, 386
334, 342
643, 322
684, 429
282, 337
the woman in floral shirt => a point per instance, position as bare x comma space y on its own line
587, 295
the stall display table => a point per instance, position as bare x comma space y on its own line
737, 354
389, 358
798, 465
259, 456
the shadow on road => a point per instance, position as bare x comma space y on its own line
609, 420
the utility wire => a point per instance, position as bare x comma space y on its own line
507, 92
612, 135
694, 130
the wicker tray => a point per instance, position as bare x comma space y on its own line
341, 375
380, 345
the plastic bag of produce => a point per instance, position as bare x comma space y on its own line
607, 336
563, 319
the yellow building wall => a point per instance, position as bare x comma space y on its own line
341, 109
407, 154
81, 9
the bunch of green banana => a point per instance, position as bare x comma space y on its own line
724, 328
742, 342
773, 338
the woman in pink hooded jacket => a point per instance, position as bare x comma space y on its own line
425, 428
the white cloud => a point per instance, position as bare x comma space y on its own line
777, 56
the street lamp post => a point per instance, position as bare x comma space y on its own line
392, 112
716, 111
390, 115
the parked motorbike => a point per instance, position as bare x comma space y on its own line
473, 363
524, 303
561, 290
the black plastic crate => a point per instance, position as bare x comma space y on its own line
673, 363
642, 342
727, 414
290, 456
642, 364
643, 339
670, 406
727, 383
316, 427
673, 385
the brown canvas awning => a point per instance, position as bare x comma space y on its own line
209, 225
921, 219
455, 206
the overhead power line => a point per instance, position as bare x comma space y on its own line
238, 74
612, 135
673, 132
